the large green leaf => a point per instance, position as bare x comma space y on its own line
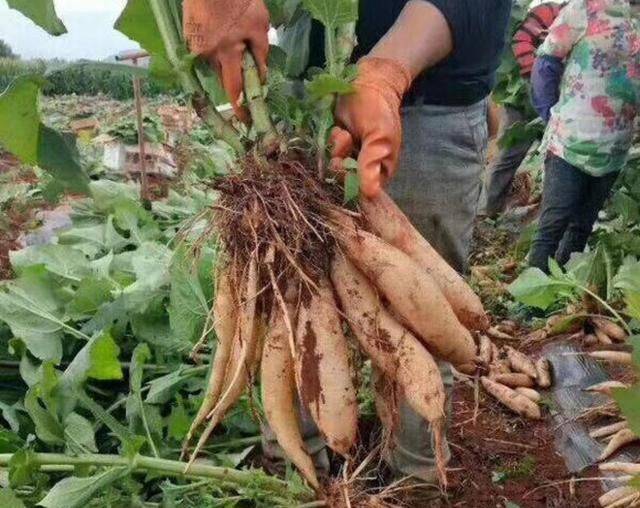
74, 492
42, 13
8, 498
61, 260
79, 433
188, 306
48, 428
23, 134
536, 289
332, 13
30, 307
629, 401
90, 295
139, 24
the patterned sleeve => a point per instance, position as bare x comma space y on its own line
566, 30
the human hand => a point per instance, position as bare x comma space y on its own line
369, 119
220, 31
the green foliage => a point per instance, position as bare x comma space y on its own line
24, 135
332, 13
6, 51
75, 492
42, 13
127, 131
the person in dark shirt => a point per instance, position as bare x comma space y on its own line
420, 107
425, 69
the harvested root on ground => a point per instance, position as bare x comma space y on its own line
631, 468
514, 380
507, 326
590, 340
521, 363
620, 439
279, 395
495, 353
605, 387
323, 372
615, 495
388, 221
602, 337
543, 369
485, 350
411, 292
495, 333
613, 330
608, 430
512, 399
529, 393
612, 356
499, 367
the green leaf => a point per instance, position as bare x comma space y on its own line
23, 134
131, 443
42, 13
98, 359
139, 24
80, 434
10, 442
151, 266
88, 298
30, 307
188, 307
327, 84
141, 354
9, 499
161, 389
22, 467
61, 260
332, 13
629, 401
107, 194
536, 289
74, 492
294, 40
179, 423
281, 11
19, 118
351, 187
48, 428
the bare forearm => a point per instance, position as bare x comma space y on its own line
419, 38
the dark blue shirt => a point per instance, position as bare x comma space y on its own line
479, 29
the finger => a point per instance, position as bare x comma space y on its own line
230, 64
341, 143
259, 45
373, 163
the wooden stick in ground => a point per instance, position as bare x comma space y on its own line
142, 163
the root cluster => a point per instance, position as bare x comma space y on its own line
301, 278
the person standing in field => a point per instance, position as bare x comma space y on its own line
425, 70
526, 40
586, 85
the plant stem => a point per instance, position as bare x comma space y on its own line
141, 463
162, 12
255, 99
602, 302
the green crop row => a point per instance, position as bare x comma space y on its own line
80, 80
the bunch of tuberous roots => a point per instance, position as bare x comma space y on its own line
303, 277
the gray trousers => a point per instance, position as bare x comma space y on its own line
504, 167
438, 185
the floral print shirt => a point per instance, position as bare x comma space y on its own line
592, 125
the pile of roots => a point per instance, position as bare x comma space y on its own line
303, 277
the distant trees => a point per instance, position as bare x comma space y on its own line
6, 51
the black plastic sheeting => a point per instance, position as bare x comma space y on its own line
572, 373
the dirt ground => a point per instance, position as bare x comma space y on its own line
499, 458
